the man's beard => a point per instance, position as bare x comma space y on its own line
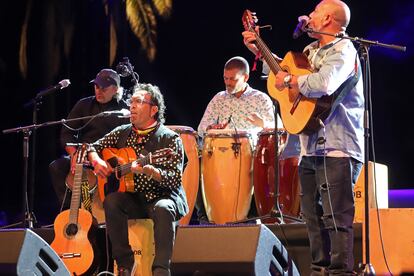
232, 90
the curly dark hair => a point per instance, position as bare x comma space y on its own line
157, 98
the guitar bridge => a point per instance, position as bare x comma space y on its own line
70, 255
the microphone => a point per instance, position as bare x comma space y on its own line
124, 68
123, 113
301, 27
62, 84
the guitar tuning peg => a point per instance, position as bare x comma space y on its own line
269, 27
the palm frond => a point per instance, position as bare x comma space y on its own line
163, 7
23, 42
144, 25
113, 42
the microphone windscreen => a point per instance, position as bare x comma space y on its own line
64, 83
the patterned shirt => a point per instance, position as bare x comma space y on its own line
223, 105
171, 170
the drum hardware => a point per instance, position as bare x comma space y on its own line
236, 145
236, 148
209, 149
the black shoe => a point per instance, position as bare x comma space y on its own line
203, 220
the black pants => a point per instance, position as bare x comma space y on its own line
119, 207
58, 171
327, 189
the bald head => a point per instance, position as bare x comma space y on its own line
339, 11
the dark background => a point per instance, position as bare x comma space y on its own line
69, 39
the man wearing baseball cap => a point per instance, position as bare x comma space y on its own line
108, 97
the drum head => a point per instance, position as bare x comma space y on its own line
182, 129
228, 133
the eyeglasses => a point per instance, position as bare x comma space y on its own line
141, 101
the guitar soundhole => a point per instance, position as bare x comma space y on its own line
112, 184
72, 229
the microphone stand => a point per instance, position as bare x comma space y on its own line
364, 46
28, 217
276, 210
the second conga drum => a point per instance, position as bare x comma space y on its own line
264, 176
191, 173
226, 175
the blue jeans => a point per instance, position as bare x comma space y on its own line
119, 207
331, 237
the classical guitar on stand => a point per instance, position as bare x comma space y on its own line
73, 229
88, 176
299, 113
122, 179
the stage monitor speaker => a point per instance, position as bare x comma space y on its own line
230, 250
23, 252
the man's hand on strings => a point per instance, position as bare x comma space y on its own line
249, 39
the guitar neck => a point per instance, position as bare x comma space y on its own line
267, 55
125, 169
76, 194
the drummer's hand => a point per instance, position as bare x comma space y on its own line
217, 126
256, 119
101, 168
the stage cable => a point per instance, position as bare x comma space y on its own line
374, 184
322, 141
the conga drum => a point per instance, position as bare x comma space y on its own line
191, 173
226, 175
264, 176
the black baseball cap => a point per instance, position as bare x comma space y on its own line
106, 77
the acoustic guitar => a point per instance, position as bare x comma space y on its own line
87, 175
121, 160
73, 229
299, 114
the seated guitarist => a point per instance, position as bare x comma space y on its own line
338, 146
158, 193
108, 96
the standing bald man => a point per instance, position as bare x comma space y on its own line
332, 157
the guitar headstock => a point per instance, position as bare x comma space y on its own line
81, 153
249, 20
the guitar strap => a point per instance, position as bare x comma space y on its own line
86, 195
347, 86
